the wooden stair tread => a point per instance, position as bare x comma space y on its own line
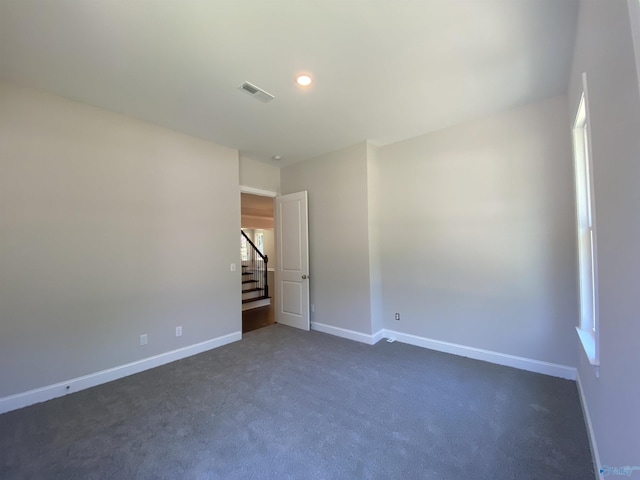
248, 300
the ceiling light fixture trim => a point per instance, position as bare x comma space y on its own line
303, 79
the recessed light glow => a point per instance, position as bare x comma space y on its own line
304, 80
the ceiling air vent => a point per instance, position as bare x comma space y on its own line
255, 92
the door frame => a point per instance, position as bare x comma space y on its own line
261, 193
258, 191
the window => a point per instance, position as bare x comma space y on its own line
260, 241
586, 234
244, 253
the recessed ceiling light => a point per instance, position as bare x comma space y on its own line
304, 79
277, 157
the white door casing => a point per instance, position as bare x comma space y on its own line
292, 260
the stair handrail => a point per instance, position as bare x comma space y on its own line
265, 259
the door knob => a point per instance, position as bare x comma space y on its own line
304, 277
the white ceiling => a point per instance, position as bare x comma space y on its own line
384, 70
256, 205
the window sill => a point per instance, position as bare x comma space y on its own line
588, 340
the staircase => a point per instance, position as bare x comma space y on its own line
255, 289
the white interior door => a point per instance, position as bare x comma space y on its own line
292, 260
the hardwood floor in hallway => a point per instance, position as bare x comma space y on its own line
257, 318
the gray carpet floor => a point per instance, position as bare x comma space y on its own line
287, 404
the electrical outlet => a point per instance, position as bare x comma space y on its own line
144, 339
313, 308
233, 267
397, 316
179, 331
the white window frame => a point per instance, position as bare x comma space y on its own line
259, 241
244, 250
589, 327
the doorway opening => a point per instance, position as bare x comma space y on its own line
257, 246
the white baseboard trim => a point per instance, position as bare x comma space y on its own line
376, 337
595, 455
348, 334
24, 399
256, 304
522, 363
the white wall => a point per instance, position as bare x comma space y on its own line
374, 185
109, 228
249, 221
338, 235
259, 175
477, 234
269, 245
604, 50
